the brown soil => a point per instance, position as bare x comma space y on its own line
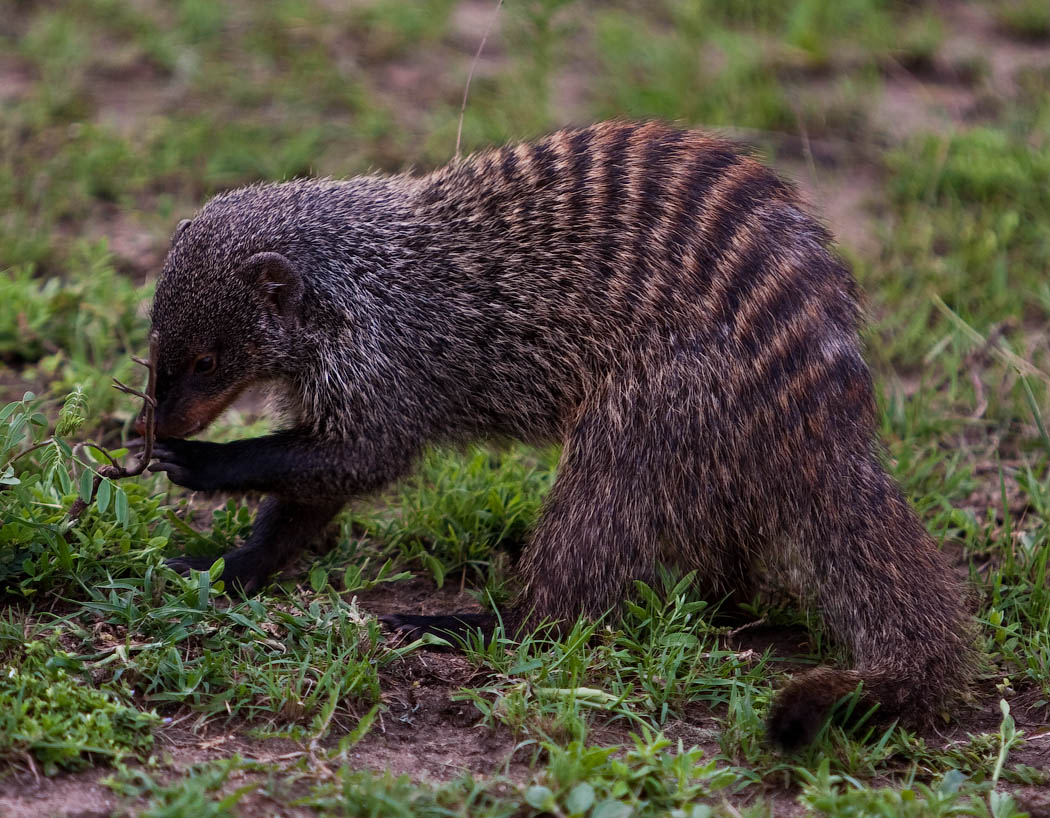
16, 79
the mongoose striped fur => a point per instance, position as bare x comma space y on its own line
655, 300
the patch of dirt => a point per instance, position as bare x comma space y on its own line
909, 106
1034, 750
16, 78
843, 198
428, 735
417, 596
127, 90
138, 251
843, 181
13, 385
973, 33
72, 795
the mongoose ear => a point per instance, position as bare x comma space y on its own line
180, 228
278, 281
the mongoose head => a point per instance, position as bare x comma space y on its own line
225, 310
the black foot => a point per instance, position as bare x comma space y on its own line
454, 628
238, 575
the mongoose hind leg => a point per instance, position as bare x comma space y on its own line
282, 529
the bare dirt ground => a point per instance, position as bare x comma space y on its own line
425, 732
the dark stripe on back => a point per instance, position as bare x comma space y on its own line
543, 162
492, 204
611, 209
755, 339
580, 144
538, 202
826, 399
659, 155
751, 270
755, 188
509, 167
707, 167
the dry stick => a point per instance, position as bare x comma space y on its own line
113, 471
470, 75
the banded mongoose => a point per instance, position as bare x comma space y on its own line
654, 299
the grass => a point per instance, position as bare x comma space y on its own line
118, 119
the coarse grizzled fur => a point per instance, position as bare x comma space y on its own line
651, 298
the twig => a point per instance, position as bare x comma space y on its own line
470, 75
114, 471
85, 443
746, 626
1018, 363
30, 450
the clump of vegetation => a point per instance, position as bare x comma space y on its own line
50, 709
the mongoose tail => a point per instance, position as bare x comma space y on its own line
889, 595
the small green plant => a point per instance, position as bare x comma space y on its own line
198, 794
49, 708
460, 507
43, 477
652, 778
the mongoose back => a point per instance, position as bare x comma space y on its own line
653, 299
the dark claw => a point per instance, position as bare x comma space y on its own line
454, 628
188, 463
183, 565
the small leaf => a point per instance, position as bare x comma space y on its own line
105, 493
216, 569
352, 578
580, 799
120, 506
318, 578
525, 667
63, 479
539, 797
73, 413
611, 808
203, 588
86, 485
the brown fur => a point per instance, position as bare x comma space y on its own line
651, 298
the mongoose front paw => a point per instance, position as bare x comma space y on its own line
240, 581
188, 463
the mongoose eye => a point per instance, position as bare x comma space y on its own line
205, 365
